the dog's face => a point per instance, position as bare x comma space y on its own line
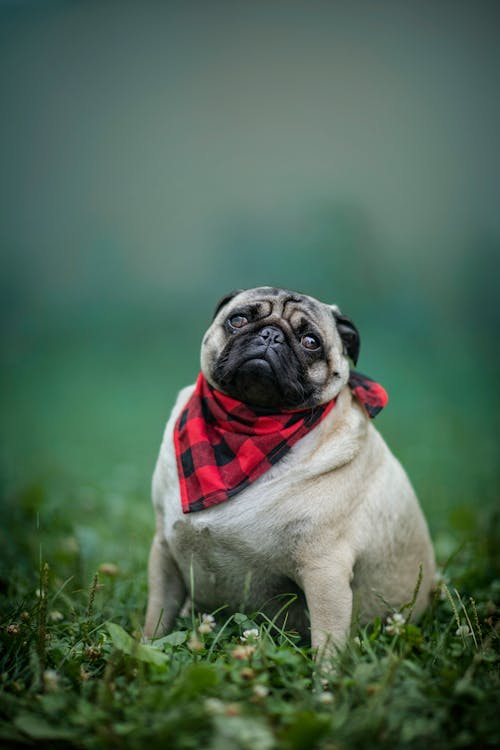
277, 349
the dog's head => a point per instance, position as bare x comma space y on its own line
277, 349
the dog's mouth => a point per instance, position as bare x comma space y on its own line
257, 382
261, 381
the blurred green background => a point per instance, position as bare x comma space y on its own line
155, 155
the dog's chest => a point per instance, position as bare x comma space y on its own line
233, 552
257, 534
249, 528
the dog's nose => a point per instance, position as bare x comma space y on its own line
272, 335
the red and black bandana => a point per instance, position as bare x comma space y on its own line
222, 445
372, 395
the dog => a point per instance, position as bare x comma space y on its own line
272, 480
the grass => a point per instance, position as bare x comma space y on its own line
74, 673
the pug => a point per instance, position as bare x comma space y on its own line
273, 491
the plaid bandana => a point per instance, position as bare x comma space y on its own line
222, 445
372, 395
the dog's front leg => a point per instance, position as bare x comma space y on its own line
167, 591
327, 586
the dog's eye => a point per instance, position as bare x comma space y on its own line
310, 342
238, 321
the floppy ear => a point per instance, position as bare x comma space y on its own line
348, 333
224, 300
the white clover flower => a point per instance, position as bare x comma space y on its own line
50, 679
194, 643
242, 652
109, 569
395, 624
463, 631
325, 698
56, 616
250, 635
207, 624
260, 691
214, 706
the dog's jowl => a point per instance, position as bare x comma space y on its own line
272, 479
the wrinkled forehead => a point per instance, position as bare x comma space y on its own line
282, 303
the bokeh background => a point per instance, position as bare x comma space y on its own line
155, 155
